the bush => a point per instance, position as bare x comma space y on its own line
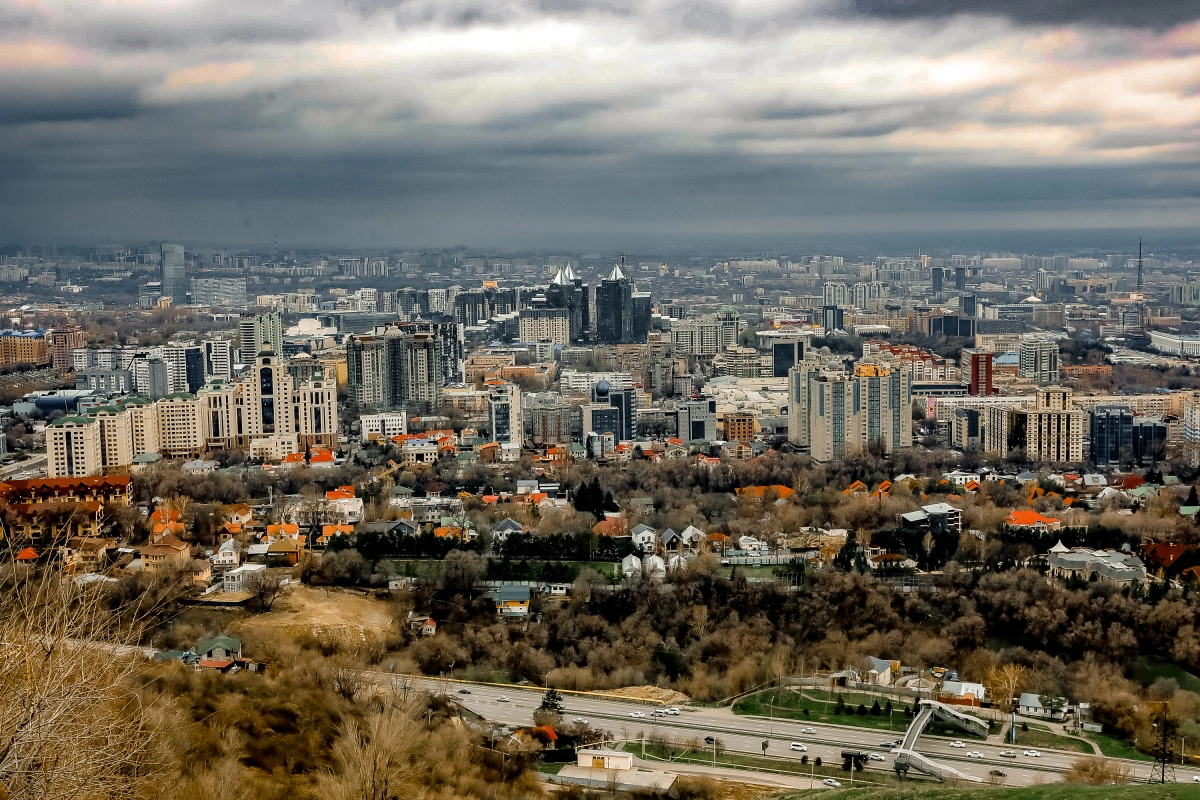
876, 710
862, 710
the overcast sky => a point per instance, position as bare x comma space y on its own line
551, 122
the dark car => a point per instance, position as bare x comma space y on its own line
709, 740
464, 691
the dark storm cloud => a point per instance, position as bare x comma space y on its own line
73, 104
572, 122
1153, 14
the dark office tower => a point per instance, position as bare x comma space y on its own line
641, 316
567, 291
960, 279
938, 273
833, 318
968, 305
174, 281
785, 355
194, 368
614, 308
625, 401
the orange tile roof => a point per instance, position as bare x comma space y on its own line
340, 493
757, 492
165, 515
286, 529
28, 554
1023, 518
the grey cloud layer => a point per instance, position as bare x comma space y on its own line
413, 121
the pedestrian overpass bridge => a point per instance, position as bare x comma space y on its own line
908, 758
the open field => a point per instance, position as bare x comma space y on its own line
1040, 737
321, 611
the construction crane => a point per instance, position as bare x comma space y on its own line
391, 467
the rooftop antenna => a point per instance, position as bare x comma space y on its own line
1139, 282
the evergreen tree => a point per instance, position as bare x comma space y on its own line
1193, 499
876, 710
552, 701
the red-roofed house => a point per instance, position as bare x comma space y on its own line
1162, 554
27, 555
1027, 518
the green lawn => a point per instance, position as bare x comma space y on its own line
1053, 791
1114, 746
551, 769
1148, 669
1041, 737
682, 755
817, 705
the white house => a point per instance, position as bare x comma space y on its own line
631, 565
751, 545
235, 580
643, 537
691, 537
880, 671
510, 452
227, 556
605, 759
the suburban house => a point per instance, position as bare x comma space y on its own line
1031, 520
962, 693
505, 528
643, 538
880, 671
86, 553
344, 504
218, 652
1031, 705
163, 553
934, 518
512, 601
237, 579
227, 556
1110, 566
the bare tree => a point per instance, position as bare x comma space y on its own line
348, 681
72, 722
375, 757
266, 586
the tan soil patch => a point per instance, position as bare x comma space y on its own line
323, 611
668, 696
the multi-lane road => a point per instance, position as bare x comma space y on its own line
746, 734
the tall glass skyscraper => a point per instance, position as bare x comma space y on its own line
174, 281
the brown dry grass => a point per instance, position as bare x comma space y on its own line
323, 612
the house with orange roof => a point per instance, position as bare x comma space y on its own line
1031, 520
27, 555
239, 514
707, 461
1163, 554
757, 492
284, 530
288, 551
858, 487
163, 515
330, 531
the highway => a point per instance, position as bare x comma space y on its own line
745, 734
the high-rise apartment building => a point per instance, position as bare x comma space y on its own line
73, 448
739, 427
851, 413
1121, 438
548, 417
567, 292
394, 370
1039, 360
538, 324
174, 277
505, 421
1052, 431
218, 358
977, 368
259, 332
61, 341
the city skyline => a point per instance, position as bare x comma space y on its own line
523, 125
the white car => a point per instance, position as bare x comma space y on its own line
957, 743
1196, 779
580, 720
831, 783
637, 715
800, 747
875, 757
502, 699
1033, 753
974, 754
673, 711
808, 730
